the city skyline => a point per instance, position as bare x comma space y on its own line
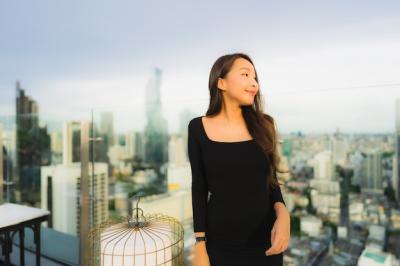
303, 55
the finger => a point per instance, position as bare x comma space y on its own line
277, 248
279, 245
272, 247
284, 246
280, 248
275, 242
268, 252
271, 250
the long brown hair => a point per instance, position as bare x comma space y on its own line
260, 125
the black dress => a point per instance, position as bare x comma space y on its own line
238, 216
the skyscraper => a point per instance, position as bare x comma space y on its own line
372, 169
323, 165
61, 185
396, 168
156, 132
107, 128
33, 148
60, 188
71, 142
339, 148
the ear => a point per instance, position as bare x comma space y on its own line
221, 84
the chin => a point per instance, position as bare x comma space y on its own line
247, 103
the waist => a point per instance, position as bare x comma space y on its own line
239, 246
239, 242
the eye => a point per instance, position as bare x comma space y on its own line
245, 74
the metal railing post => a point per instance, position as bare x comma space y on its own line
84, 194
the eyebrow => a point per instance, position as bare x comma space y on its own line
245, 68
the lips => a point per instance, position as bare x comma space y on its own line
251, 92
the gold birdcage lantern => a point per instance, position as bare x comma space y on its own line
152, 239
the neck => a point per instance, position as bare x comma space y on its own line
231, 113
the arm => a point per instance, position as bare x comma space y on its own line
280, 233
277, 200
199, 184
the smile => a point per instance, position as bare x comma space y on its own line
251, 92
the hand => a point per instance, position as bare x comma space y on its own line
280, 234
200, 254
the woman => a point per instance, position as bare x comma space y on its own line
233, 155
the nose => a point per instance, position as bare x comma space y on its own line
254, 83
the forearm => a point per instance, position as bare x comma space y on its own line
280, 209
200, 234
200, 251
200, 255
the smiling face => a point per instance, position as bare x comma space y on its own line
239, 83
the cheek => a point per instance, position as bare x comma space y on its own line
237, 86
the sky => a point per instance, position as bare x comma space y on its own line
322, 65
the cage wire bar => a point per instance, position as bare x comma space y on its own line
115, 230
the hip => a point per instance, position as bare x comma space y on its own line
221, 255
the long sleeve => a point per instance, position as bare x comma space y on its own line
199, 184
276, 194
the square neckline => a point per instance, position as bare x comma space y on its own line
221, 142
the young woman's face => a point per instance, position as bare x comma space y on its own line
240, 84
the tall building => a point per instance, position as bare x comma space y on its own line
60, 193
71, 139
395, 178
140, 146
356, 160
33, 148
176, 149
372, 170
56, 147
130, 144
178, 166
156, 131
61, 184
107, 128
323, 165
396, 168
339, 148
325, 197
325, 194
71, 142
